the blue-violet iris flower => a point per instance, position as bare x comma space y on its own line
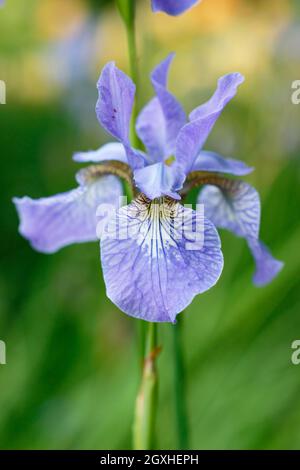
153, 276
173, 7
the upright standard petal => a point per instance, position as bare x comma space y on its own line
136, 158
157, 256
173, 7
151, 129
160, 180
236, 207
267, 267
213, 162
193, 135
162, 118
115, 101
51, 223
110, 151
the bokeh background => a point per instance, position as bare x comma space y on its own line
72, 370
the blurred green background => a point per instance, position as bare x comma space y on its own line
72, 370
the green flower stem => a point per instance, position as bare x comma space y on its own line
145, 412
142, 341
146, 402
127, 9
180, 388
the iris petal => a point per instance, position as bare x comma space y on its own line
162, 118
151, 129
173, 7
54, 222
237, 208
154, 265
193, 135
110, 151
160, 180
115, 101
211, 161
267, 267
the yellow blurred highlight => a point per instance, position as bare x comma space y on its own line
214, 38
56, 19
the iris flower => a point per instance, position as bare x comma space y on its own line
173, 7
156, 273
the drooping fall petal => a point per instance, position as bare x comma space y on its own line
236, 207
50, 223
157, 256
267, 267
